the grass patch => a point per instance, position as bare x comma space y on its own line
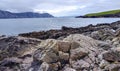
103, 13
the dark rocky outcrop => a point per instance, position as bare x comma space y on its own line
6, 14
102, 31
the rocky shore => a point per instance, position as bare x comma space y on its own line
90, 48
66, 31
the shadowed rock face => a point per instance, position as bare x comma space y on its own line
97, 48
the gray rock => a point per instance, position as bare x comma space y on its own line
112, 56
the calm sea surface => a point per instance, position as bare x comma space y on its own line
16, 26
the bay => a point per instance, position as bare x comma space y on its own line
25, 25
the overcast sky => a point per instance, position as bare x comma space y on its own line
60, 7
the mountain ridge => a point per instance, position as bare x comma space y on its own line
7, 14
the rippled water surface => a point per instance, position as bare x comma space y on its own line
16, 26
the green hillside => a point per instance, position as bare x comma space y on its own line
103, 13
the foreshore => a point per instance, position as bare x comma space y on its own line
65, 31
89, 48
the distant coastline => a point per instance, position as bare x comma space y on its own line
105, 14
8, 15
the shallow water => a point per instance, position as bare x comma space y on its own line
16, 26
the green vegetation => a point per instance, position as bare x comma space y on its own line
103, 13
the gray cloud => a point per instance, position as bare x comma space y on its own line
59, 7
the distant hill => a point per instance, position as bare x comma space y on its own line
112, 13
7, 14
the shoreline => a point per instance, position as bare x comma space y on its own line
90, 48
65, 31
